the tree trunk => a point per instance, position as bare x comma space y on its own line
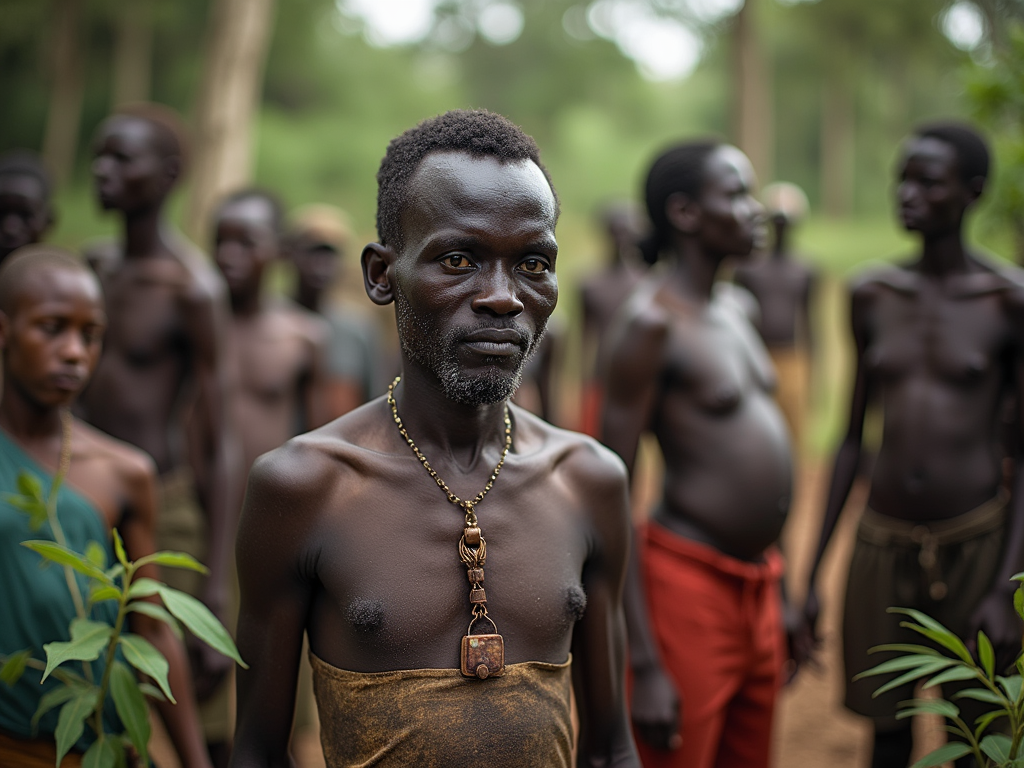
237, 48
67, 84
837, 147
133, 55
752, 114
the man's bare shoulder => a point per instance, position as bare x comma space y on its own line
878, 277
591, 467
309, 325
132, 465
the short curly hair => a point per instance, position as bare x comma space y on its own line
969, 146
477, 131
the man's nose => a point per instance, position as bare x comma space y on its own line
73, 348
101, 167
497, 295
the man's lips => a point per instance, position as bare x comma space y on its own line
498, 342
68, 382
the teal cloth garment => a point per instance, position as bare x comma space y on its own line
35, 604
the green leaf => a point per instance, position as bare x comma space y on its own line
29, 485
173, 560
71, 721
905, 648
88, 640
985, 721
156, 612
956, 673
96, 554
152, 691
141, 654
131, 707
1011, 685
200, 622
928, 706
944, 754
144, 588
36, 511
944, 638
52, 699
64, 556
101, 592
14, 666
980, 694
903, 662
997, 746
914, 674
1017, 576
122, 558
986, 654
115, 571
101, 754
1018, 601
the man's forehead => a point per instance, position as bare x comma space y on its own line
51, 283
929, 148
729, 162
24, 184
136, 132
451, 175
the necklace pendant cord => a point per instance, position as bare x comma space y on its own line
482, 656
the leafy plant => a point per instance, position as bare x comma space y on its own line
82, 698
990, 750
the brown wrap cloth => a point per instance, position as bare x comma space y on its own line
21, 753
434, 718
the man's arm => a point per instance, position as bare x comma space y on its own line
275, 598
137, 529
206, 317
635, 361
848, 457
598, 641
995, 614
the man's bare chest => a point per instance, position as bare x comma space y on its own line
145, 319
267, 362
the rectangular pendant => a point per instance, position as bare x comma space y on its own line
483, 656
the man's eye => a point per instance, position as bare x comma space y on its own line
456, 261
49, 327
534, 266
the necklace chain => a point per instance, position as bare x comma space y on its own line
466, 505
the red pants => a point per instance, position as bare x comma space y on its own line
591, 405
718, 625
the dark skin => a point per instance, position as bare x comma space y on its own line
25, 213
782, 287
603, 294
538, 391
939, 344
168, 320
51, 342
317, 265
478, 255
687, 362
275, 349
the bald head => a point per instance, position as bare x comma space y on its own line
30, 265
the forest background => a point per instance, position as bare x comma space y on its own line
816, 92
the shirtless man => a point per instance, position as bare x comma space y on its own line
51, 328
25, 213
939, 346
164, 359
783, 287
275, 348
601, 296
318, 241
346, 536
703, 595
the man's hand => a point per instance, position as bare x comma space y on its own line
995, 616
656, 709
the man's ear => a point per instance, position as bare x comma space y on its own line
977, 187
378, 277
683, 213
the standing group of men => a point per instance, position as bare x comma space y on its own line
369, 536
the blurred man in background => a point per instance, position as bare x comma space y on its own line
161, 383
25, 212
783, 287
319, 238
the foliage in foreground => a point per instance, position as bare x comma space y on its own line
1003, 693
82, 697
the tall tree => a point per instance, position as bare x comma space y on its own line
133, 52
237, 47
753, 118
67, 86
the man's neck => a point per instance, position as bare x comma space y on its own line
247, 304
143, 234
944, 255
26, 421
309, 298
693, 270
442, 428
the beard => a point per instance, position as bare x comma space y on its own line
438, 352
